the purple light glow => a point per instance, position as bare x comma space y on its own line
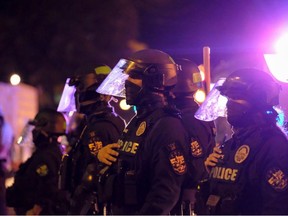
278, 66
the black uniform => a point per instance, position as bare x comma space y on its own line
102, 128
202, 139
252, 178
151, 165
36, 182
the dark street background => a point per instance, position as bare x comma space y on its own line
46, 41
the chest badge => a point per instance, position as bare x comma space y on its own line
141, 129
241, 154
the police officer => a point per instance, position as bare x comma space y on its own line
151, 165
101, 128
249, 172
35, 190
201, 133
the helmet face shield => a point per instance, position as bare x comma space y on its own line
214, 106
67, 101
114, 84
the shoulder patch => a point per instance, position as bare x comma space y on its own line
141, 129
178, 162
196, 148
277, 179
94, 147
42, 170
241, 154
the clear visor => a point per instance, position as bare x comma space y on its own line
114, 83
25, 136
67, 101
214, 105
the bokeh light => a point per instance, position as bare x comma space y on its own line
123, 105
281, 46
15, 79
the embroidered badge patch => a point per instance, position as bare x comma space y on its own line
196, 149
277, 179
42, 170
141, 129
178, 162
95, 147
242, 153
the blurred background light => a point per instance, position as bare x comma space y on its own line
278, 66
200, 96
123, 105
281, 46
278, 63
15, 79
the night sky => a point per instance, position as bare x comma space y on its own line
53, 39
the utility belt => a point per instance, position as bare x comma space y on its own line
222, 205
117, 188
207, 203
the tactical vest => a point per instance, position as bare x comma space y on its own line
68, 170
229, 178
125, 171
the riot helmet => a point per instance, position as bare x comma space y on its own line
80, 91
155, 69
49, 124
189, 81
249, 91
188, 77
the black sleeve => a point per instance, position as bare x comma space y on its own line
168, 166
274, 176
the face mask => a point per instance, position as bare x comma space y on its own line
239, 113
39, 137
132, 92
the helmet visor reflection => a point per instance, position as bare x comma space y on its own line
67, 101
114, 83
214, 105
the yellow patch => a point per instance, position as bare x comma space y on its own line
42, 170
196, 149
277, 179
197, 78
178, 162
141, 129
241, 154
95, 147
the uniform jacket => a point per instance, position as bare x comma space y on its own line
102, 129
202, 140
36, 181
151, 165
252, 178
